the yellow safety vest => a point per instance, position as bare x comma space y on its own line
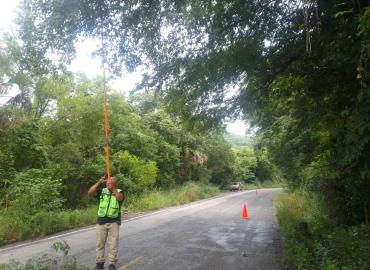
108, 204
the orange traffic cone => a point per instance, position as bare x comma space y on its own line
245, 212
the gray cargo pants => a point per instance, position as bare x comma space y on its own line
104, 232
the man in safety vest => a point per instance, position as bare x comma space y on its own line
109, 219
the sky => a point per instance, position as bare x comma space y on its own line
90, 66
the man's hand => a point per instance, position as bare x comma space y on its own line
93, 189
111, 185
102, 180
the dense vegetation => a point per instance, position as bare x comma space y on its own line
301, 68
311, 239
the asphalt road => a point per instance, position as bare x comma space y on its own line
208, 234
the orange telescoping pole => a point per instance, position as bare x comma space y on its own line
106, 123
106, 136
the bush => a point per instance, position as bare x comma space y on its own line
35, 190
311, 240
59, 260
138, 174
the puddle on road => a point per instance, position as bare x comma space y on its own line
263, 233
226, 238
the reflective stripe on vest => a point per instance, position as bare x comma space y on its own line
108, 204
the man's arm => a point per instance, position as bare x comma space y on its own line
93, 191
118, 195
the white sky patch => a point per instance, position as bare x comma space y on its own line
237, 127
127, 83
232, 90
166, 30
12, 92
267, 43
8, 12
92, 66
85, 63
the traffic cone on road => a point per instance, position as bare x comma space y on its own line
245, 212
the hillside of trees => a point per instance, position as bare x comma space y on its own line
238, 140
52, 140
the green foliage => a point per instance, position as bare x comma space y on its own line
266, 184
220, 159
168, 143
311, 240
255, 166
93, 168
17, 225
265, 170
157, 199
298, 249
46, 91
238, 140
61, 246
7, 171
313, 114
27, 146
64, 148
35, 190
58, 260
245, 165
138, 174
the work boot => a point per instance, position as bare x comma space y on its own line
112, 267
99, 266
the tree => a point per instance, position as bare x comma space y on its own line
28, 148
220, 159
35, 190
138, 175
198, 49
245, 164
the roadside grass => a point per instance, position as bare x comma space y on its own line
312, 242
17, 225
157, 199
266, 184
